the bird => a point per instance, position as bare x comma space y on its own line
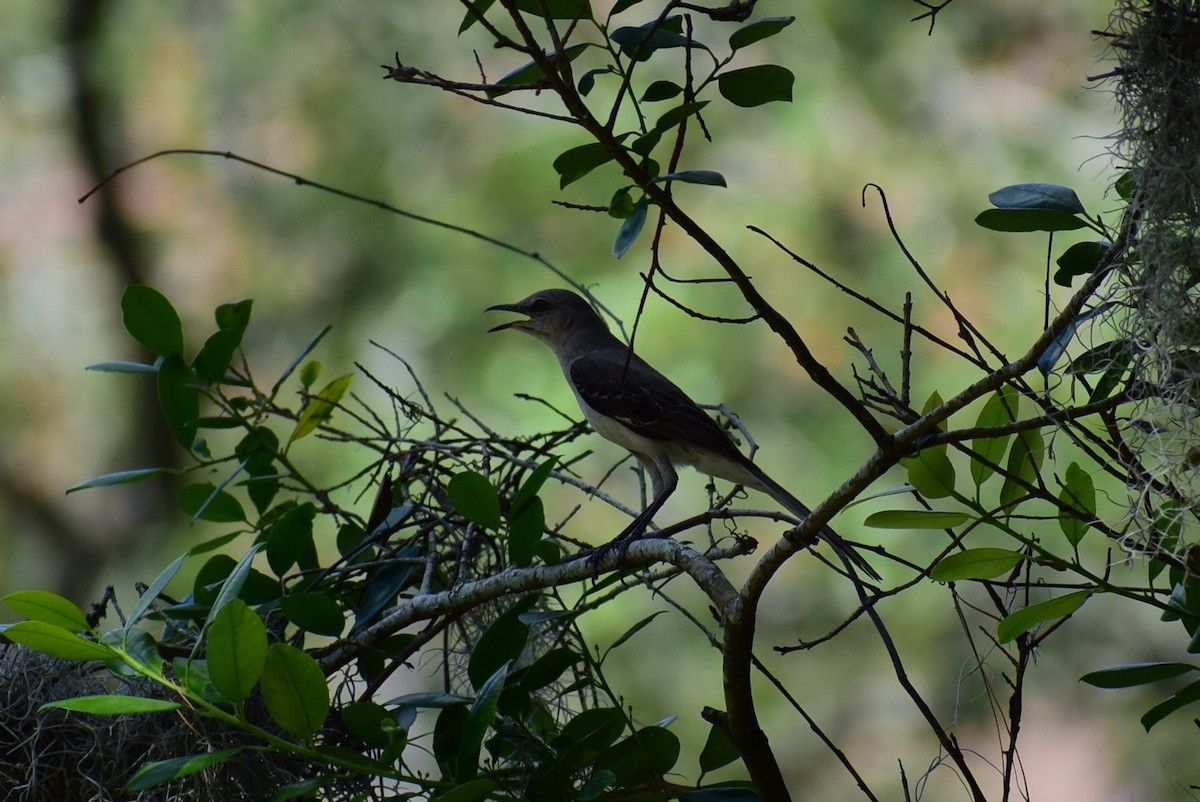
629, 403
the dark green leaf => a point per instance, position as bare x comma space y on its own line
150, 594
1024, 220
55, 641
113, 705
708, 177
49, 608
234, 316
383, 586
640, 41
479, 719
500, 643
532, 484
1183, 698
236, 649
1024, 460
119, 366
733, 791
645, 755
231, 587
549, 667
556, 9
631, 228
313, 612
212, 363
983, 563
622, 5
1079, 493
915, 519
1103, 357
525, 530
151, 320
1079, 260
179, 398
161, 771
1037, 196
289, 540
447, 737
294, 690
1128, 676
674, 117
758, 30
320, 407
661, 90
629, 633
118, 478
473, 791
1001, 408
572, 165
754, 86
621, 204
475, 499
304, 352
719, 751
205, 502
1025, 619
433, 701
365, 722
532, 73
1125, 185
587, 82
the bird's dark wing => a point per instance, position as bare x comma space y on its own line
645, 401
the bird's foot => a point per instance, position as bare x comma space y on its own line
619, 544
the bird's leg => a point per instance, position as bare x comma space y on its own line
663, 481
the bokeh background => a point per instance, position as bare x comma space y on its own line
996, 94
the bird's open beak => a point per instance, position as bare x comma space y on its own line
512, 324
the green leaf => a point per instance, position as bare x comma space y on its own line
549, 667
531, 72
661, 90
931, 472
231, 587
983, 563
1024, 460
205, 502
1183, 698
915, 519
621, 204
121, 366
732, 791
1079, 492
719, 750
1025, 619
294, 690
320, 407
1037, 196
212, 363
645, 755
587, 81
479, 718
475, 499
119, 478
639, 42
236, 650
754, 86
313, 612
630, 228
1000, 409
1128, 676
500, 643
365, 720
629, 633
234, 316
151, 320
49, 608
1025, 220
758, 30
150, 595
113, 705
712, 179
179, 398
161, 771
532, 484
672, 118
525, 530
473, 791
290, 539
1080, 259
574, 163
1115, 353
1126, 184
304, 352
55, 641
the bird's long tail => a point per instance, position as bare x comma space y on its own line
845, 551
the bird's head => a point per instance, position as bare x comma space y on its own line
550, 315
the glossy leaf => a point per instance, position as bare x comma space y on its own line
475, 499
479, 719
122, 366
162, 771
179, 398
733, 791
1001, 408
645, 755
982, 563
757, 31
1037, 196
55, 641
525, 530
205, 502
1026, 220
709, 177
532, 73
1128, 676
365, 721
49, 608
232, 584
313, 612
631, 228
151, 320
754, 86
1188, 695
1024, 460
294, 690
113, 705
237, 649
150, 594
915, 519
1025, 619
1079, 492
320, 407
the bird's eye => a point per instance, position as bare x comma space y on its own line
539, 306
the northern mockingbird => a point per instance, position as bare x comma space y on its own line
633, 405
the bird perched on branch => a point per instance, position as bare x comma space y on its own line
633, 405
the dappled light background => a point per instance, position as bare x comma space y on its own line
997, 94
